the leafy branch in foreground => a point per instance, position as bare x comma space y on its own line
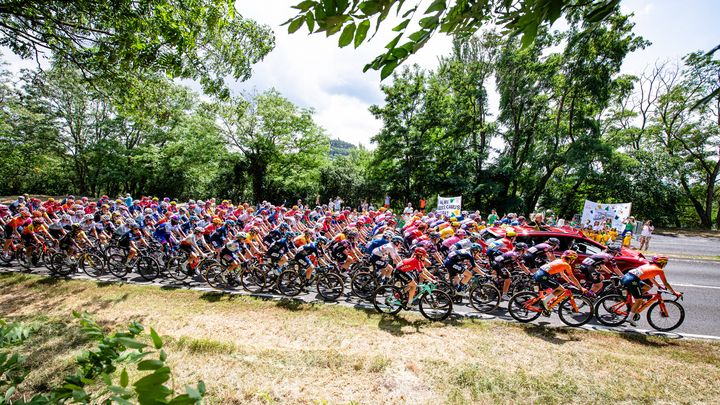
95, 380
352, 19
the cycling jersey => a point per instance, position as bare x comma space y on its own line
545, 274
589, 266
461, 244
455, 260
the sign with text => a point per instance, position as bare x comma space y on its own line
449, 205
601, 212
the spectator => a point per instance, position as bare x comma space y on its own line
387, 201
561, 222
646, 234
408, 210
629, 225
422, 204
537, 221
338, 203
492, 217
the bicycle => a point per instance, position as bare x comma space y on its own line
662, 315
434, 304
574, 310
292, 281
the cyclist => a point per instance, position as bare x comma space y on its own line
499, 246
410, 270
546, 275
305, 251
192, 245
455, 265
506, 262
639, 280
73, 239
128, 239
29, 235
604, 261
384, 256
541, 253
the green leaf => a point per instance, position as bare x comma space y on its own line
529, 35
361, 32
369, 7
429, 22
121, 401
124, 378
600, 12
310, 19
153, 380
437, 5
305, 5
401, 26
201, 387
150, 365
347, 35
156, 339
296, 24
394, 42
131, 343
388, 69
193, 393
163, 355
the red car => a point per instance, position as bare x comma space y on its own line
570, 238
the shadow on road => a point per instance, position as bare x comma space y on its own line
556, 336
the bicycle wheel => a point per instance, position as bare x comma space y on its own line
290, 283
174, 266
388, 299
668, 318
484, 298
611, 310
215, 277
363, 284
522, 306
253, 279
92, 264
117, 266
148, 268
436, 306
330, 287
60, 265
7, 257
575, 310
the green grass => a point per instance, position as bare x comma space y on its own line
262, 351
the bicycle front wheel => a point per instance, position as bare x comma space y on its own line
253, 279
215, 277
330, 287
388, 299
484, 298
92, 264
290, 283
611, 310
436, 306
363, 284
575, 311
117, 265
522, 306
665, 316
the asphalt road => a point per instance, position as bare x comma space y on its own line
699, 280
684, 245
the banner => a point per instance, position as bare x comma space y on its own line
617, 213
449, 205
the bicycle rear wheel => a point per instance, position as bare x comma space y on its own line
92, 264
363, 284
330, 287
575, 310
177, 267
117, 265
668, 318
290, 283
388, 299
59, 264
484, 298
253, 279
148, 268
436, 306
522, 308
215, 276
611, 310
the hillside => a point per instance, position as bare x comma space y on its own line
340, 148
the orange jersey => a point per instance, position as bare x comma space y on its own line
647, 271
556, 267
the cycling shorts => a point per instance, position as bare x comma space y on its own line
453, 268
407, 277
545, 280
591, 274
378, 262
634, 285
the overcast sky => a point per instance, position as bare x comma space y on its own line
313, 72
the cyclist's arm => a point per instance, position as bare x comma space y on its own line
666, 284
570, 277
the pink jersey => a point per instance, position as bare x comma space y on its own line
450, 241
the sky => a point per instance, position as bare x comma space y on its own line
312, 71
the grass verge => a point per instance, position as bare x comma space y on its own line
254, 351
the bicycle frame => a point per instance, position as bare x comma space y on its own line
619, 308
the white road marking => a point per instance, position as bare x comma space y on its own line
714, 287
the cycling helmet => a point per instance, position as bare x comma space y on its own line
321, 240
199, 229
241, 236
254, 229
38, 220
148, 210
521, 246
352, 235
476, 247
193, 218
229, 222
570, 255
660, 260
614, 250
105, 217
25, 214
554, 241
475, 236
284, 226
397, 239
75, 227
217, 221
134, 225
388, 235
66, 217
460, 233
434, 235
510, 234
88, 217
420, 252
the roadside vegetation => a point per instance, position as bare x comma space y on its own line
249, 350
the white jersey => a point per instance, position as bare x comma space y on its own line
387, 251
461, 244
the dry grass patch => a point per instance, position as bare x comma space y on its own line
255, 351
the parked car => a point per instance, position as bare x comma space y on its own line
570, 238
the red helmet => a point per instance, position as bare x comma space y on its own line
420, 252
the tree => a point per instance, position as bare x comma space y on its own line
114, 41
353, 20
278, 140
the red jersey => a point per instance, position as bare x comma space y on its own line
411, 264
